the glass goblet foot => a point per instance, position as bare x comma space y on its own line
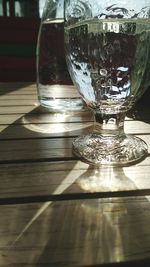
97, 149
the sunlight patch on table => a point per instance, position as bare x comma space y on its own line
60, 126
67, 182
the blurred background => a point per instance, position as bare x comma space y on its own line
19, 26
21, 8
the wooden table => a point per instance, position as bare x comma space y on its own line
51, 212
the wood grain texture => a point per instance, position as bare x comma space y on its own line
74, 233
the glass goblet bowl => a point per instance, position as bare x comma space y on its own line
108, 57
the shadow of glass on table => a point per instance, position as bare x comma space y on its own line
10, 87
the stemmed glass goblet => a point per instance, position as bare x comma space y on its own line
107, 53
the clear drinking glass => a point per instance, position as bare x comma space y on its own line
55, 88
107, 51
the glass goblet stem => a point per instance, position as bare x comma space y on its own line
109, 124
